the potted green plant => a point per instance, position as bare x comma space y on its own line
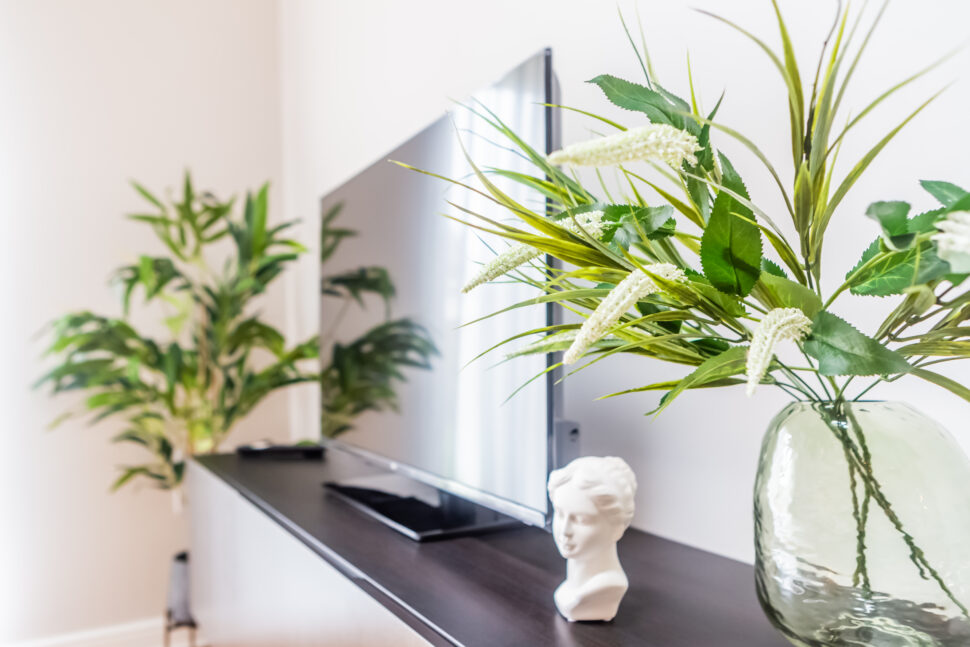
862, 508
183, 395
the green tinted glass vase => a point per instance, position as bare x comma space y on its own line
862, 527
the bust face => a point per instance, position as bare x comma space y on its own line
578, 526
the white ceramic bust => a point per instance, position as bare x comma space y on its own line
593, 502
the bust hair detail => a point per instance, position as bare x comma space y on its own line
608, 481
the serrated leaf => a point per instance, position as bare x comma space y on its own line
945, 192
769, 266
731, 245
635, 97
896, 271
842, 350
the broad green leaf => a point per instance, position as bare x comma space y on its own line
945, 192
842, 350
700, 196
728, 364
892, 218
638, 98
893, 272
731, 244
628, 224
779, 292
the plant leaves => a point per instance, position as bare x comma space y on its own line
779, 292
731, 245
945, 192
941, 380
633, 96
896, 271
892, 218
628, 224
729, 363
842, 350
771, 267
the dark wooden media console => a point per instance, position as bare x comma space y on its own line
496, 589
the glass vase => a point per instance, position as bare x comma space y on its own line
862, 527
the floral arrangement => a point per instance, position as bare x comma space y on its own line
706, 278
701, 276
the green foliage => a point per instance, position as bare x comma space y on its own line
891, 217
731, 245
726, 364
842, 350
628, 225
884, 273
703, 218
183, 396
659, 107
948, 194
362, 375
779, 292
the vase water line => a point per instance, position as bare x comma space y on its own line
862, 527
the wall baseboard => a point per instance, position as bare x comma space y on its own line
140, 633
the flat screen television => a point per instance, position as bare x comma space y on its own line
457, 430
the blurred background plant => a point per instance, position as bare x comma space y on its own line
360, 375
182, 396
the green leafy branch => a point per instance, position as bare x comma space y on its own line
184, 395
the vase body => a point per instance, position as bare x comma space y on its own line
862, 527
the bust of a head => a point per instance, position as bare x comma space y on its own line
593, 501
593, 498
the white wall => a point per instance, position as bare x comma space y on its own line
95, 93
360, 77
307, 93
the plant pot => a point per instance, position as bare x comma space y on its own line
862, 527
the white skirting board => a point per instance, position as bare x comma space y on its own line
140, 633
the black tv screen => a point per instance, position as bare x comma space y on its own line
456, 429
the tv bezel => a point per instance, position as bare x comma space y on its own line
517, 510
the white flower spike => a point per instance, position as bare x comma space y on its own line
778, 325
624, 296
653, 143
521, 254
953, 241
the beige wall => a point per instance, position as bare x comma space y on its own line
361, 77
94, 93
